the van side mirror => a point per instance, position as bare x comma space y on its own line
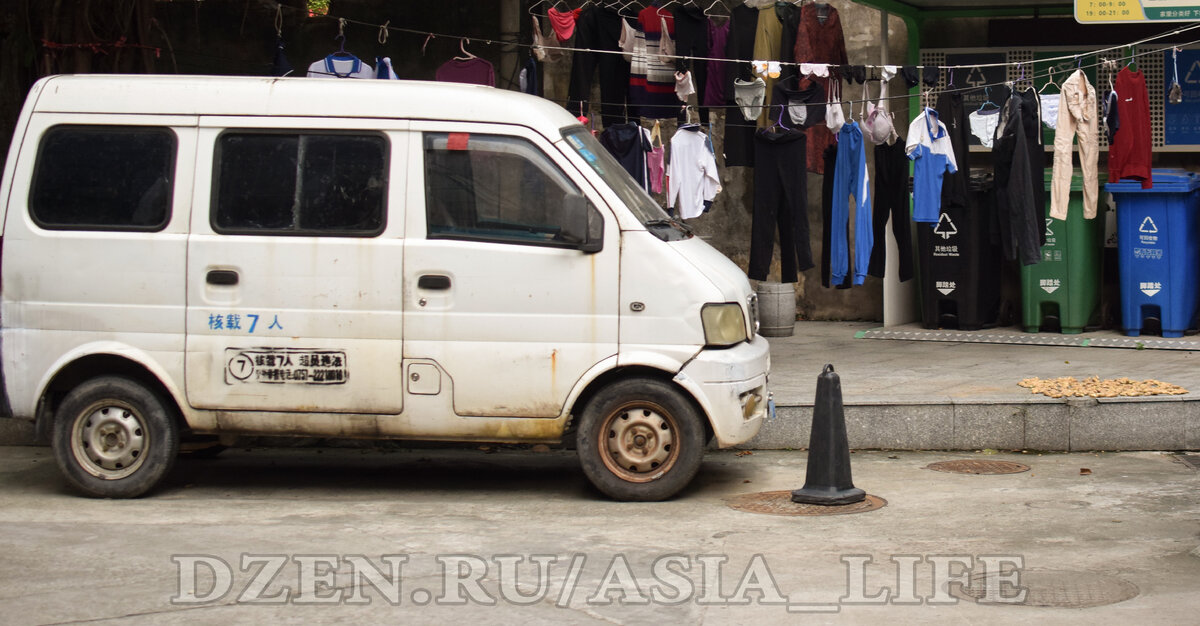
582, 223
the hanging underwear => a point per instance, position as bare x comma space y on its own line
563, 23
820, 70
983, 125
749, 96
805, 106
1049, 106
684, 86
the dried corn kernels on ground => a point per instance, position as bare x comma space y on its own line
1093, 387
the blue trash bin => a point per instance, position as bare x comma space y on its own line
1158, 247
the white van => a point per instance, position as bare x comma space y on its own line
187, 256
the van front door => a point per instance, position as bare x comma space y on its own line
294, 271
500, 288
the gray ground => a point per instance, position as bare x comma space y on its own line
1130, 525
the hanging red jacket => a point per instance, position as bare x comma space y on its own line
1129, 154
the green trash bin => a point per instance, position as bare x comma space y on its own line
1063, 289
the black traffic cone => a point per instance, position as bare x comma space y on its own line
828, 479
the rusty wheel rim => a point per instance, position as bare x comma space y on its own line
638, 441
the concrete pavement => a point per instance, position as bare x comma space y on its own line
290, 533
911, 389
931, 390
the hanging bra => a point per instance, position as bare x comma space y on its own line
543, 49
626, 43
877, 124
749, 96
835, 116
666, 45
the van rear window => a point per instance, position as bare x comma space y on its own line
287, 183
103, 178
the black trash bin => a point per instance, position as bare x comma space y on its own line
960, 263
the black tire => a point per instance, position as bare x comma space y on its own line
114, 438
640, 440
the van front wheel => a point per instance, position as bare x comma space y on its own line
640, 440
114, 438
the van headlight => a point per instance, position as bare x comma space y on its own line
724, 324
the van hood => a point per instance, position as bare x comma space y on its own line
724, 274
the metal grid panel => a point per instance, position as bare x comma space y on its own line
1150, 65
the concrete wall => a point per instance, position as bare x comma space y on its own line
727, 225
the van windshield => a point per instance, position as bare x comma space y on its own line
647, 211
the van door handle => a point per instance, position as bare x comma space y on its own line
434, 281
222, 277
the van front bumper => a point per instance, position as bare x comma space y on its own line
731, 386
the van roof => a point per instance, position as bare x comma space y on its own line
162, 94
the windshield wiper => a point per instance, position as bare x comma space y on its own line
670, 221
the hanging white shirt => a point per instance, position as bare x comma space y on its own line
692, 177
928, 131
340, 67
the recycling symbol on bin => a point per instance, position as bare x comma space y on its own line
945, 227
1148, 226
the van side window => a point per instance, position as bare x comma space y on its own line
287, 183
103, 178
493, 188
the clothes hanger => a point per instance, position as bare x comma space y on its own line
1050, 82
710, 13
987, 93
779, 119
1132, 65
534, 5
467, 56
341, 39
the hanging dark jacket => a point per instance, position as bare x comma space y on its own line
1018, 217
629, 145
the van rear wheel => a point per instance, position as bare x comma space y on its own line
114, 438
640, 440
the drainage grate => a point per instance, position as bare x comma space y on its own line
978, 466
1061, 589
780, 503
1190, 460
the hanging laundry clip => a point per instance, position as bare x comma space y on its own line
1175, 95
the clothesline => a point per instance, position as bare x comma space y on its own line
1017, 64
855, 102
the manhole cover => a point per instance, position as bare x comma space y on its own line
780, 503
1062, 589
978, 466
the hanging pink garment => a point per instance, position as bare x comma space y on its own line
656, 160
563, 23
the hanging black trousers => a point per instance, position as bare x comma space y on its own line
891, 199
780, 199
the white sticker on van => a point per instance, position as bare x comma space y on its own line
276, 366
